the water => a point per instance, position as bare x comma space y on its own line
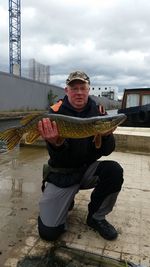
112, 111
7, 123
20, 190
2, 147
17, 168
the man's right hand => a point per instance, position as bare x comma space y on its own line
49, 131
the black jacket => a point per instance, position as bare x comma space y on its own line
74, 153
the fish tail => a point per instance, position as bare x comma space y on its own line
11, 137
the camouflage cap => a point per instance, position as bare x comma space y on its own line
78, 75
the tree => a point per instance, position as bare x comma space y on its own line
51, 97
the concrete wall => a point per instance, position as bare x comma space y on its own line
133, 139
25, 94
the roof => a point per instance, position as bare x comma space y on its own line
139, 89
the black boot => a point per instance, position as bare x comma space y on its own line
105, 229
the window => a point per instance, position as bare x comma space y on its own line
132, 100
145, 99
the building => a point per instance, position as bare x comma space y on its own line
22, 94
111, 92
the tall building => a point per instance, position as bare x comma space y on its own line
111, 92
39, 72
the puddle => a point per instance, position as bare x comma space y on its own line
17, 168
20, 190
65, 257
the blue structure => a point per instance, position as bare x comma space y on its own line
14, 37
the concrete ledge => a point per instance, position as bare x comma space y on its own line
129, 139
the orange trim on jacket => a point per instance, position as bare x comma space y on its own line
56, 106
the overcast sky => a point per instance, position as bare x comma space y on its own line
108, 39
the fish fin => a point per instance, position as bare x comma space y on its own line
29, 118
97, 140
11, 137
32, 136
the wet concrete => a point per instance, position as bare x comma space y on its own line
20, 181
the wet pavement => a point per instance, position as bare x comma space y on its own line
20, 181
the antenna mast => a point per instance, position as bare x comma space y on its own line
14, 37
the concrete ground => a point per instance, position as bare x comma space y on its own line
20, 181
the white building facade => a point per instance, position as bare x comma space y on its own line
111, 92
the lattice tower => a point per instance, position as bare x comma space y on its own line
14, 37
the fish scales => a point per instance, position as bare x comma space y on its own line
75, 130
68, 127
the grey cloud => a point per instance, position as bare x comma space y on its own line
110, 43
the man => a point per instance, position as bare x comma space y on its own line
73, 166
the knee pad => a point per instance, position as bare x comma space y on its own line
50, 233
117, 173
110, 172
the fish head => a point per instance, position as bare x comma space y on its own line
108, 123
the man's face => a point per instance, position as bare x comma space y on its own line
77, 92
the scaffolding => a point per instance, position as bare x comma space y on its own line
14, 37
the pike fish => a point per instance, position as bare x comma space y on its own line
68, 127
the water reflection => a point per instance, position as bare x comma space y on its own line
21, 170
20, 190
16, 187
2, 147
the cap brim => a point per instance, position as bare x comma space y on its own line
77, 78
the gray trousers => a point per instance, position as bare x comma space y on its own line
55, 201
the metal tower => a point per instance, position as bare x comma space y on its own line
14, 37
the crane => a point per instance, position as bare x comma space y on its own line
14, 37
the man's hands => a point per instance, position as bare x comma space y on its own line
49, 131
